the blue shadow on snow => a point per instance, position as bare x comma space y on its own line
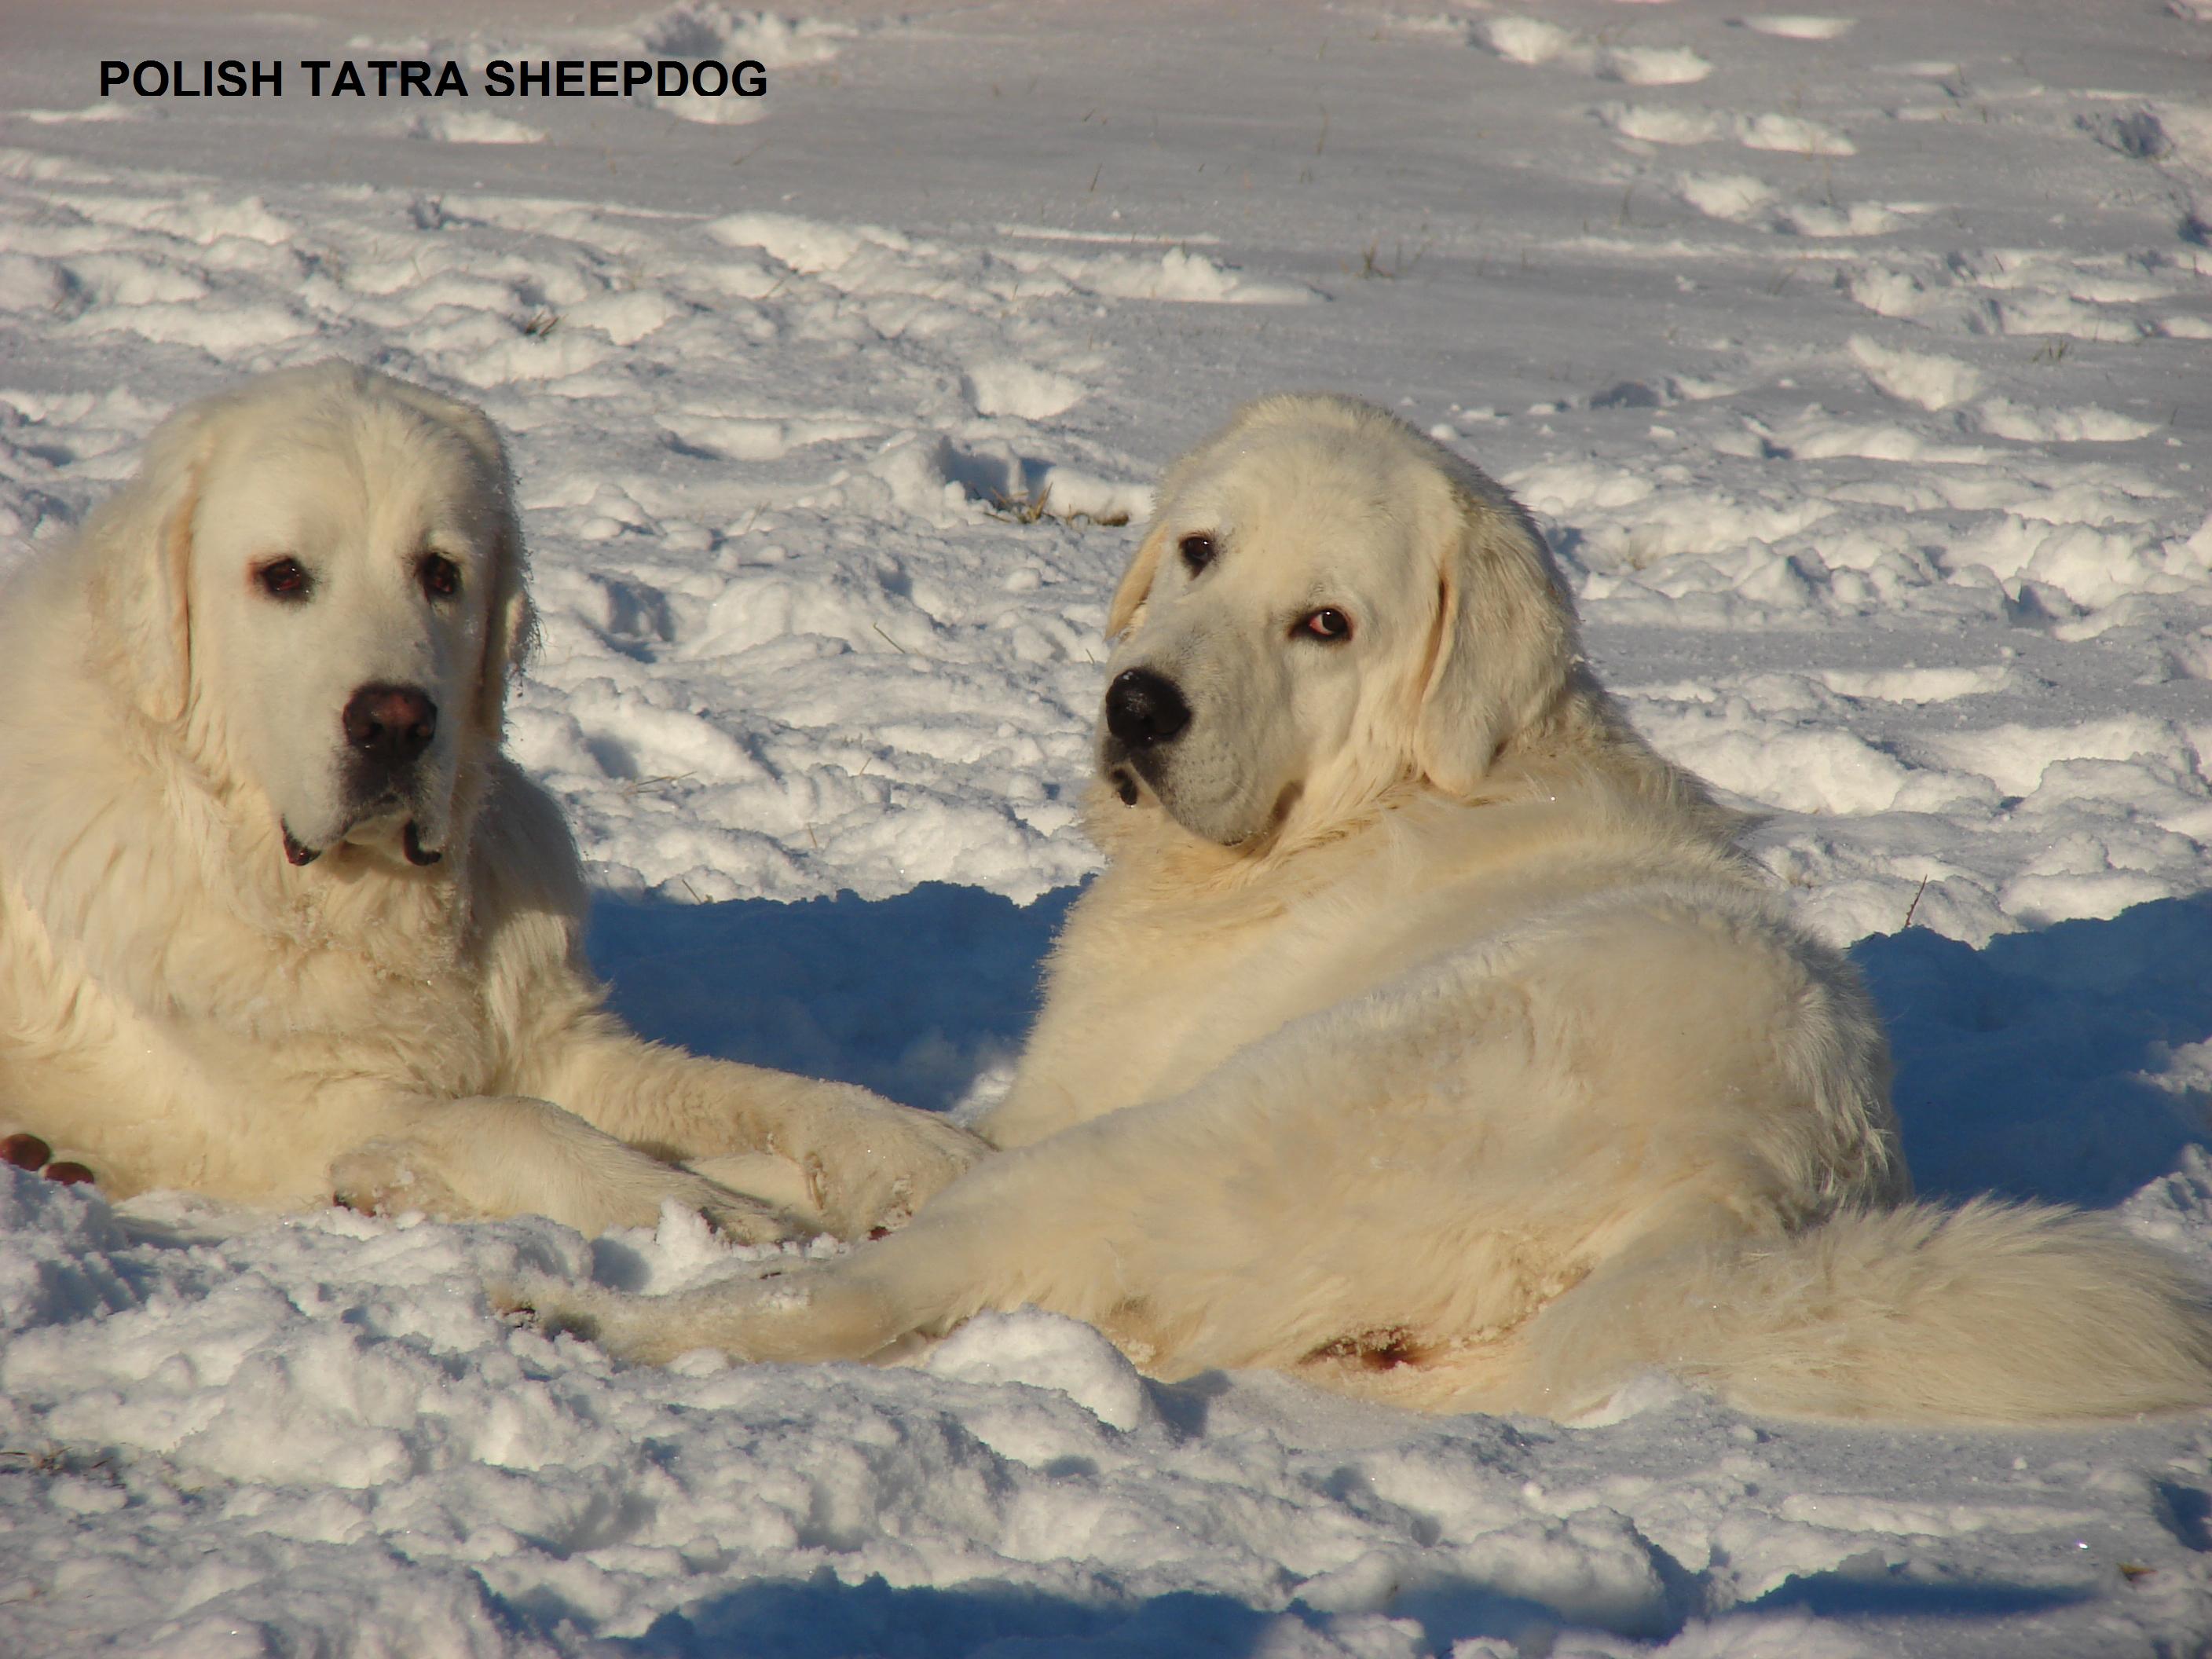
822, 1617
2019, 1065
913, 996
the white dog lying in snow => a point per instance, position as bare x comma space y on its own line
279, 922
1426, 1036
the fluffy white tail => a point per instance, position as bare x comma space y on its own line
1994, 1313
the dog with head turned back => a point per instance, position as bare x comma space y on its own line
1429, 1036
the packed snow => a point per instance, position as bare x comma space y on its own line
1857, 366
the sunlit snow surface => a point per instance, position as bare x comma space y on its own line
1858, 367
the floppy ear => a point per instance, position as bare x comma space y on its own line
1502, 643
1136, 582
511, 624
140, 544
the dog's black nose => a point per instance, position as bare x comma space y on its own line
1144, 709
390, 724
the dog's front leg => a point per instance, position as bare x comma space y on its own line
919, 1282
1055, 1226
810, 1311
849, 1161
502, 1155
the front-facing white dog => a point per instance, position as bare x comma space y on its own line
1427, 1036
279, 922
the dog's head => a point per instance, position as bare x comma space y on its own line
1325, 605
316, 583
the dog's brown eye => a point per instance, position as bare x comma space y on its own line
441, 577
284, 579
1325, 624
1197, 552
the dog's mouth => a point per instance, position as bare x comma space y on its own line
1132, 775
412, 847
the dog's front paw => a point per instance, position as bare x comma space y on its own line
744, 1220
552, 1307
646, 1330
632, 1197
877, 1163
390, 1177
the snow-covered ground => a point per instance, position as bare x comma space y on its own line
1859, 365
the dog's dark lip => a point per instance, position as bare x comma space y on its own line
410, 841
1118, 767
